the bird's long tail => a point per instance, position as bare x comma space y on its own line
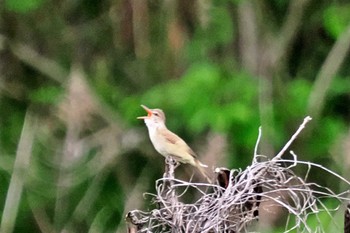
201, 169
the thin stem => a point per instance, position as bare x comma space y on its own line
14, 193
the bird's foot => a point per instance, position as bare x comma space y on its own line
171, 165
171, 161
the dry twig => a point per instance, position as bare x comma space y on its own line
232, 205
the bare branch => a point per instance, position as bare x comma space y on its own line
290, 27
327, 73
32, 58
233, 204
301, 127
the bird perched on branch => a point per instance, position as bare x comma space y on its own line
167, 143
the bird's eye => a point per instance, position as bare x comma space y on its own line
156, 114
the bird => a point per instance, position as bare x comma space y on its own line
168, 143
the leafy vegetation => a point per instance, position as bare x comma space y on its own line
73, 74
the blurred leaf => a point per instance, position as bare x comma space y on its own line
298, 94
200, 82
11, 124
340, 85
218, 33
336, 18
204, 76
241, 112
193, 93
46, 95
23, 6
221, 27
200, 119
130, 109
328, 132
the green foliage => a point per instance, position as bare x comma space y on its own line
297, 92
207, 97
11, 125
216, 35
331, 131
23, 6
221, 29
46, 95
203, 84
336, 19
340, 86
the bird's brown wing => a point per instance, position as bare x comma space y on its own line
192, 152
174, 139
170, 137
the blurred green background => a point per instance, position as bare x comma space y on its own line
73, 157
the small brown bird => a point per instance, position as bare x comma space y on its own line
167, 143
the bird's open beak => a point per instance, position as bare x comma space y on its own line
149, 111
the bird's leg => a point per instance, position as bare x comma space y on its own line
170, 165
176, 164
169, 160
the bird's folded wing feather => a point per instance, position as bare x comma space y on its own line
176, 140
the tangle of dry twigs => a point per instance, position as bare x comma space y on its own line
232, 203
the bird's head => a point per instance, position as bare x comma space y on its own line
155, 117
